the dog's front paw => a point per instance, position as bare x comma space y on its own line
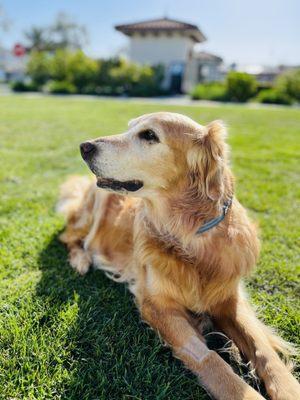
80, 261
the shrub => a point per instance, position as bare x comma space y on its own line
20, 86
263, 86
147, 83
209, 91
61, 87
289, 83
59, 66
88, 76
240, 86
64, 66
136, 80
75, 68
103, 77
82, 71
38, 68
273, 96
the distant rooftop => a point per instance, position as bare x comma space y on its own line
203, 56
163, 25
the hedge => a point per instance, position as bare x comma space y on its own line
273, 96
210, 91
74, 72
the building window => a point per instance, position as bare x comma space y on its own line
203, 72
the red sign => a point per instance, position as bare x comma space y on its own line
19, 50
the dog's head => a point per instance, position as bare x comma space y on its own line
158, 152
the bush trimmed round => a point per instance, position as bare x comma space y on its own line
61, 87
20, 86
209, 91
273, 96
240, 86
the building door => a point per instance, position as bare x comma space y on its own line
176, 77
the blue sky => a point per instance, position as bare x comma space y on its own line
248, 32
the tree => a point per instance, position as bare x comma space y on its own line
83, 71
63, 33
38, 68
59, 65
289, 83
67, 34
74, 67
37, 39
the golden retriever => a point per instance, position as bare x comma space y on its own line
169, 225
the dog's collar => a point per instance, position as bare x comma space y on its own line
215, 221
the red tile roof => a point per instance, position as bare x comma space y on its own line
162, 25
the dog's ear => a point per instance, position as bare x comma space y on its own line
208, 157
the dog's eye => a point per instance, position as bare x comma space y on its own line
149, 136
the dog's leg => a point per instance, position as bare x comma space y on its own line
178, 329
76, 202
79, 259
257, 343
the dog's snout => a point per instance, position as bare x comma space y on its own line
88, 149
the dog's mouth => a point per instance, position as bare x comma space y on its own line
113, 184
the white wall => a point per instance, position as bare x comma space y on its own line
160, 49
11, 64
190, 76
211, 73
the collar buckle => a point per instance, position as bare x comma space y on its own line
215, 221
226, 206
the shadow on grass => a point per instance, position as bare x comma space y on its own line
110, 353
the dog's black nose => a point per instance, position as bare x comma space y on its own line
87, 149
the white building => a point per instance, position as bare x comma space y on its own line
172, 44
11, 67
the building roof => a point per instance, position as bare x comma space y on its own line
203, 56
162, 25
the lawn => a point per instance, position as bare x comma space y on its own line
63, 336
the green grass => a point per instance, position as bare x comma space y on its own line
63, 336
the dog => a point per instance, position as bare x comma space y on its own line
162, 216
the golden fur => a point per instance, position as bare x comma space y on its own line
149, 241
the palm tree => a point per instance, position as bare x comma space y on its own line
37, 39
66, 33
63, 33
